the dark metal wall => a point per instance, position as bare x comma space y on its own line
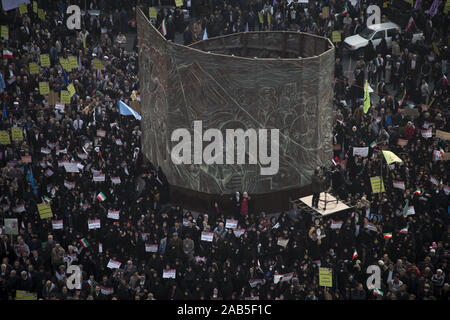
181, 84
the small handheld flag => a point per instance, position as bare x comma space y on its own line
355, 255
373, 145
404, 230
85, 243
101, 197
377, 292
387, 235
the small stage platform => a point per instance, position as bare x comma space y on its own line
332, 206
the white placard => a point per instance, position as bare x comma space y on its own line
398, 184
230, 223
71, 167
167, 274
238, 232
360, 151
94, 224
151, 247
19, 209
115, 180
57, 224
113, 214
336, 224
113, 264
207, 236
282, 242
427, 133
99, 178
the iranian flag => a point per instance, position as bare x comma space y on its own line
7, 54
373, 145
400, 103
84, 243
345, 12
163, 27
410, 25
405, 209
377, 292
387, 235
46, 199
355, 255
418, 192
101, 197
404, 230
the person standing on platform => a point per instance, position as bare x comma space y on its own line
316, 185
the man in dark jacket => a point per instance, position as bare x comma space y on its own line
316, 186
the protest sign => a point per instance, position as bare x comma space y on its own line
112, 264
73, 62
44, 88
115, 180
23, 8
282, 242
45, 60
19, 208
45, 211
4, 33
98, 178
34, 68
402, 142
326, 277
238, 232
57, 224
169, 274
442, 135
151, 247
41, 14
375, 183
427, 133
398, 184
35, 7
71, 90
16, 134
207, 236
11, 226
231, 223
336, 36
178, 3
25, 295
65, 97
113, 214
69, 184
26, 159
71, 167
65, 64
152, 13
94, 224
361, 151
101, 133
336, 224
98, 64
4, 137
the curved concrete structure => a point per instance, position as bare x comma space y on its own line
288, 86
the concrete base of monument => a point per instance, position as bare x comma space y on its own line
274, 202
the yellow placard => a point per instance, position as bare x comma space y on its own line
65, 97
45, 60
152, 13
435, 48
34, 68
447, 7
44, 88
23, 8
65, 64
4, 32
375, 183
71, 89
326, 277
25, 295
98, 64
336, 36
4, 137
35, 7
73, 62
391, 157
45, 211
179, 3
17, 134
41, 14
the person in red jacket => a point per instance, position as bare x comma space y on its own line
409, 130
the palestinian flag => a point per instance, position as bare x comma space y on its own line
404, 230
373, 145
101, 197
405, 209
377, 292
418, 192
387, 235
84, 243
163, 27
46, 199
355, 255
7, 54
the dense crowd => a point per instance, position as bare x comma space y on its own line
414, 265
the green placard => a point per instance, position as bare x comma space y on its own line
98, 64
4, 137
23, 8
4, 32
34, 68
73, 62
65, 97
45, 211
44, 88
71, 89
45, 60
17, 134
336, 36
326, 277
152, 13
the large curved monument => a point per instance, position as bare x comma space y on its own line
252, 80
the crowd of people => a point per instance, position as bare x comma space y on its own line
131, 256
